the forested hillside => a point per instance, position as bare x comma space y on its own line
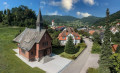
71, 20
113, 18
90, 20
59, 19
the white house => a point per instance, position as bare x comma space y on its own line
63, 36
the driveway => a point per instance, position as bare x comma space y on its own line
84, 61
53, 66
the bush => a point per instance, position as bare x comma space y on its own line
73, 57
84, 33
77, 46
96, 48
82, 45
56, 42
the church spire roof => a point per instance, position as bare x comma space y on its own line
39, 21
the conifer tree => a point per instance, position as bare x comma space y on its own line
118, 49
70, 47
106, 51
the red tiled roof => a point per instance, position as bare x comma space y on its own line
68, 31
114, 47
60, 26
91, 32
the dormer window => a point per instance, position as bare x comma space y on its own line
63, 37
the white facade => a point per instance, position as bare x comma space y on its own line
52, 22
114, 30
63, 42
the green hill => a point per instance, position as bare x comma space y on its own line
59, 19
71, 20
90, 20
113, 18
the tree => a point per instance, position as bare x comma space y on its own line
56, 42
75, 28
106, 51
5, 12
96, 38
55, 34
1, 18
70, 47
116, 37
50, 30
116, 63
8, 17
118, 49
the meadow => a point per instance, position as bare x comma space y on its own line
9, 62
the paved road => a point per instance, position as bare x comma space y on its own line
77, 65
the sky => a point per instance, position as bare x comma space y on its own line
76, 8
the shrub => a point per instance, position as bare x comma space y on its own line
77, 46
73, 57
96, 48
56, 42
82, 45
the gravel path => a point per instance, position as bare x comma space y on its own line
84, 61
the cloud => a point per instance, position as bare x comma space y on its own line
53, 3
66, 4
5, 5
43, 2
83, 14
91, 2
54, 13
41, 7
106, 4
30, 3
78, 13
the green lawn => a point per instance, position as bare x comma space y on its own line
60, 51
92, 70
9, 63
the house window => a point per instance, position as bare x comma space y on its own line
45, 43
23, 51
63, 37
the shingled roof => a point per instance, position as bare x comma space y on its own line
29, 36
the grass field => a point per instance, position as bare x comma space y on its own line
9, 63
92, 70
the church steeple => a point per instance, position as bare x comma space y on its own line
39, 22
